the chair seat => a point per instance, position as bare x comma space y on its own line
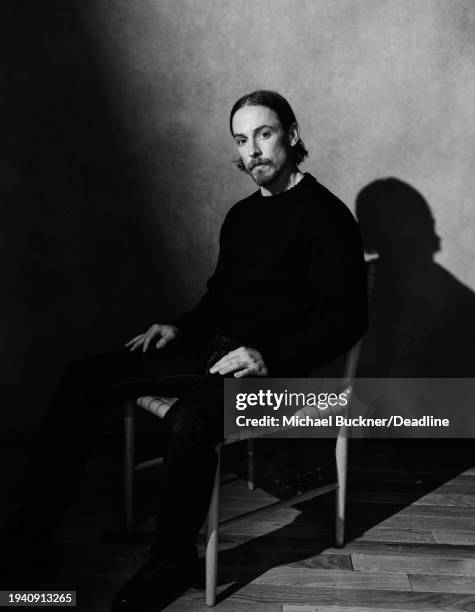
155, 404
159, 406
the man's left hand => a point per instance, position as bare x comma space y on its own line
243, 361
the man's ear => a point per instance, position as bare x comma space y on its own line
294, 134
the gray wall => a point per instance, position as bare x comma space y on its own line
116, 165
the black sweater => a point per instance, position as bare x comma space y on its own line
289, 280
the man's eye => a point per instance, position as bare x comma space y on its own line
265, 135
240, 142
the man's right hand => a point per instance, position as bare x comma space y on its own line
166, 333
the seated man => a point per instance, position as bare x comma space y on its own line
288, 294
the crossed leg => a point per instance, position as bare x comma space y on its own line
77, 409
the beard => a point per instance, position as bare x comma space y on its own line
263, 173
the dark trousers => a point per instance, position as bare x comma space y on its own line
194, 425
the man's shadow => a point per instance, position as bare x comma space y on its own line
422, 319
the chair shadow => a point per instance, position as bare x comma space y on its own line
303, 540
389, 476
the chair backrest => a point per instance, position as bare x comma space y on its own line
345, 366
351, 362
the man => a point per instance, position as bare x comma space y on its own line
288, 293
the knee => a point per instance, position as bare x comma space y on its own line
76, 370
79, 376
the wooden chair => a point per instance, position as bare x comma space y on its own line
157, 406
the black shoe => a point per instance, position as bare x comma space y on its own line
153, 586
26, 548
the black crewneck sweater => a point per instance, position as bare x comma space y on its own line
289, 280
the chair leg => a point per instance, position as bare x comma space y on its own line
212, 539
129, 462
251, 465
341, 452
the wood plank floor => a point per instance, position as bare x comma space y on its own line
410, 537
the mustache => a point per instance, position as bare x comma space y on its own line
258, 162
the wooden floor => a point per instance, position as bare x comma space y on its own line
410, 539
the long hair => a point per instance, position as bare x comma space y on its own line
283, 110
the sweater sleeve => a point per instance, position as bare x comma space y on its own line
190, 320
338, 316
205, 309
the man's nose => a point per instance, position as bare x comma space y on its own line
254, 150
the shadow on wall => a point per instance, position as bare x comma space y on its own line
421, 318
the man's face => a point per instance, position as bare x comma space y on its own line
262, 143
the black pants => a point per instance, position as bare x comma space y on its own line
194, 425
